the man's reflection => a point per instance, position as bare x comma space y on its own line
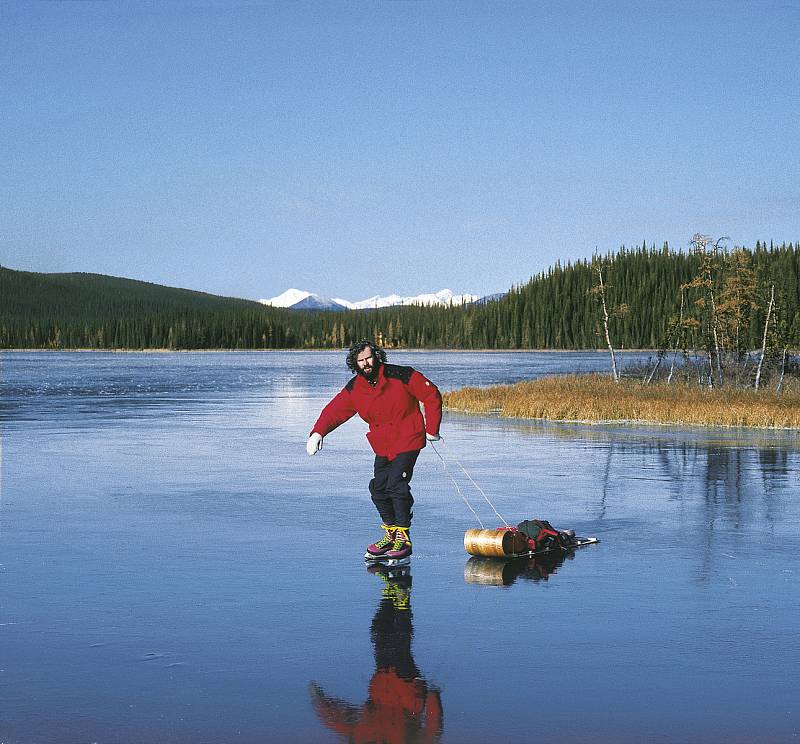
401, 706
499, 572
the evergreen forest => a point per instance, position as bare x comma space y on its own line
647, 297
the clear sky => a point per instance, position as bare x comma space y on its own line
353, 148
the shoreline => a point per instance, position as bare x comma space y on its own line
621, 422
336, 351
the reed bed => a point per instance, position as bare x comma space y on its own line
595, 398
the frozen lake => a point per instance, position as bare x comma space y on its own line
175, 568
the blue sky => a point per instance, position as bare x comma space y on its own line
351, 148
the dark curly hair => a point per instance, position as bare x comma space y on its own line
358, 347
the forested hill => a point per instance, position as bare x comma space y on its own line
643, 287
649, 294
89, 295
80, 310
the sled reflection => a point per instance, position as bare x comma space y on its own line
504, 572
400, 706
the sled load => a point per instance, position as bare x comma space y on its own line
529, 538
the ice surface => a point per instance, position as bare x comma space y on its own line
176, 568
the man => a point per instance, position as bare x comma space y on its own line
388, 398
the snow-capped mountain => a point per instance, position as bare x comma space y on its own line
301, 300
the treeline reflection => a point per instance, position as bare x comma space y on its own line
737, 483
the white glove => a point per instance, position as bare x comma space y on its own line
432, 437
314, 443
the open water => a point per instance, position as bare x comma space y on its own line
175, 568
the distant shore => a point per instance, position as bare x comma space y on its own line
596, 399
388, 351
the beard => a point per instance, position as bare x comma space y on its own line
371, 375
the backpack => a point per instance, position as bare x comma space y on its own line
541, 535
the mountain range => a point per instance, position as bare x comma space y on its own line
298, 299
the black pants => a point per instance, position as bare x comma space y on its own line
392, 631
390, 491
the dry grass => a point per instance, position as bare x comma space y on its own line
597, 398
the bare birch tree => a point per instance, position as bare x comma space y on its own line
764, 339
599, 291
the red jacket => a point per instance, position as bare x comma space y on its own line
391, 409
398, 711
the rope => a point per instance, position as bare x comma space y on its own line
458, 488
486, 498
488, 501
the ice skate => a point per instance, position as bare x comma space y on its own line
401, 546
380, 547
397, 553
